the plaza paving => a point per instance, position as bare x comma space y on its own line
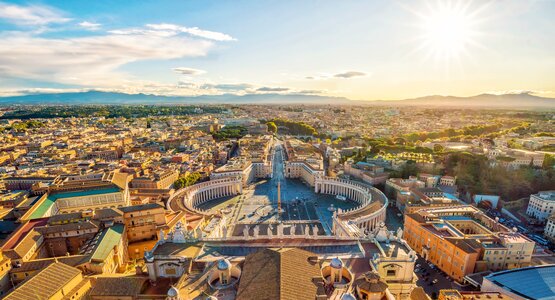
299, 203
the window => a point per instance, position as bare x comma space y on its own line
391, 272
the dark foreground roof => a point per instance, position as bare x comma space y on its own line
287, 273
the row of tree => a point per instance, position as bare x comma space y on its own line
24, 126
294, 128
475, 175
230, 132
474, 130
187, 180
108, 111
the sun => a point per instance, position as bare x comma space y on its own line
447, 29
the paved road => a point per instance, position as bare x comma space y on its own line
393, 220
427, 275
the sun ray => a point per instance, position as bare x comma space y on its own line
447, 30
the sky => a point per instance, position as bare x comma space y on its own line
361, 50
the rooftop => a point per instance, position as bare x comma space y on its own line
51, 199
46, 283
537, 282
107, 241
279, 274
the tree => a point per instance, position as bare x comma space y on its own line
549, 161
187, 180
272, 127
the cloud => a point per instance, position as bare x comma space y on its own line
90, 26
310, 92
272, 89
216, 87
89, 60
172, 29
230, 86
38, 90
349, 74
188, 71
328, 76
30, 15
520, 92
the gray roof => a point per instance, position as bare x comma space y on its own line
140, 207
537, 282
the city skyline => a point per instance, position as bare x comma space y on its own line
373, 50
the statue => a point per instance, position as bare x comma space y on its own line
399, 233
315, 230
178, 235
280, 229
307, 230
256, 231
269, 230
246, 232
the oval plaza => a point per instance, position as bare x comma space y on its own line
274, 202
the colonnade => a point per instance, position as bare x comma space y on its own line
197, 194
368, 215
343, 187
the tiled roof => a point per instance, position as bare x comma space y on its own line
118, 286
279, 274
46, 283
39, 264
67, 227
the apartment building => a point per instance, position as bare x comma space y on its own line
541, 205
461, 240
161, 179
303, 161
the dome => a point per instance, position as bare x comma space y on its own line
224, 264
372, 277
336, 263
348, 296
173, 292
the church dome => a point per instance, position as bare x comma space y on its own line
223, 264
336, 263
348, 296
173, 292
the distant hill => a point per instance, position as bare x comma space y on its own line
520, 101
523, 100
97, 97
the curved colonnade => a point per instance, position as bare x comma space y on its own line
367, 216
373, 203
193, 196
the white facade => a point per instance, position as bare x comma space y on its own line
549, 231
302, 170
541, 205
